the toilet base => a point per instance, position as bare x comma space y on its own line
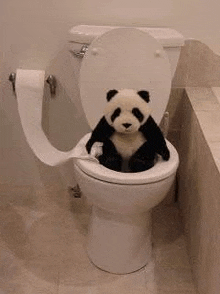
119, 243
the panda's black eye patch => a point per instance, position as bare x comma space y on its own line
115, 114
136, 112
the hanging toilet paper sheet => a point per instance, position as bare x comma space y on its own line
29, 91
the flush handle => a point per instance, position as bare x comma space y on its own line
81, 52
51, 80
12, 78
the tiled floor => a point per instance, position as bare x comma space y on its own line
43, 251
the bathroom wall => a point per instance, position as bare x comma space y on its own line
33, 36
199, 185
194, 130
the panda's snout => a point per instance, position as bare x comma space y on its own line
126, 125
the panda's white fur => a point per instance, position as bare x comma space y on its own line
127, 139
127, 144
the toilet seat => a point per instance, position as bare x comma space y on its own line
124, 58
161, 170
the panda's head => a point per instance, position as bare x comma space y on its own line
127, 109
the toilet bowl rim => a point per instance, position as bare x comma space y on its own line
158, 181
160, 171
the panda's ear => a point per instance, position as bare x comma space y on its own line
145, 95
111, 94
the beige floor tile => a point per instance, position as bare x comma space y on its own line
16, 277
173, 255
33, 282
96, 281
13, 232
77, 290
177, 292
167, 225
151, 283
16, 195
124, 284
44, 251
178, 279
10, 270
76, 269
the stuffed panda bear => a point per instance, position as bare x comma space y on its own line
128, 133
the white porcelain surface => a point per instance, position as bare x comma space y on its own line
170, 39
122, 198
161, 170
87, 33
119, 238
124, 58
119, 243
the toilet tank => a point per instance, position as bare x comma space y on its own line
170, 39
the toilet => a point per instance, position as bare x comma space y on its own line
119, 239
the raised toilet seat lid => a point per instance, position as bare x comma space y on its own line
124, 58
161, 170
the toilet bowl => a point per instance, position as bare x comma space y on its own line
119, 239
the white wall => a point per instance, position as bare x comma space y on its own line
33, 36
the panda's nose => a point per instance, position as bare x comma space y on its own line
126, 125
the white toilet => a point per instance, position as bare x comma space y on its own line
119, 238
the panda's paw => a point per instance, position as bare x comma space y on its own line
165, 154
139, 165
96, 150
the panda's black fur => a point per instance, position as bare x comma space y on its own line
128, 133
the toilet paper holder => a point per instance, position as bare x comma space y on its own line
51, 80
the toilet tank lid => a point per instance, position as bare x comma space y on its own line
85, 34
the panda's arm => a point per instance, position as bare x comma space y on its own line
101, 133
153, 134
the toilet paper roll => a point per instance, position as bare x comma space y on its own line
29, 91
